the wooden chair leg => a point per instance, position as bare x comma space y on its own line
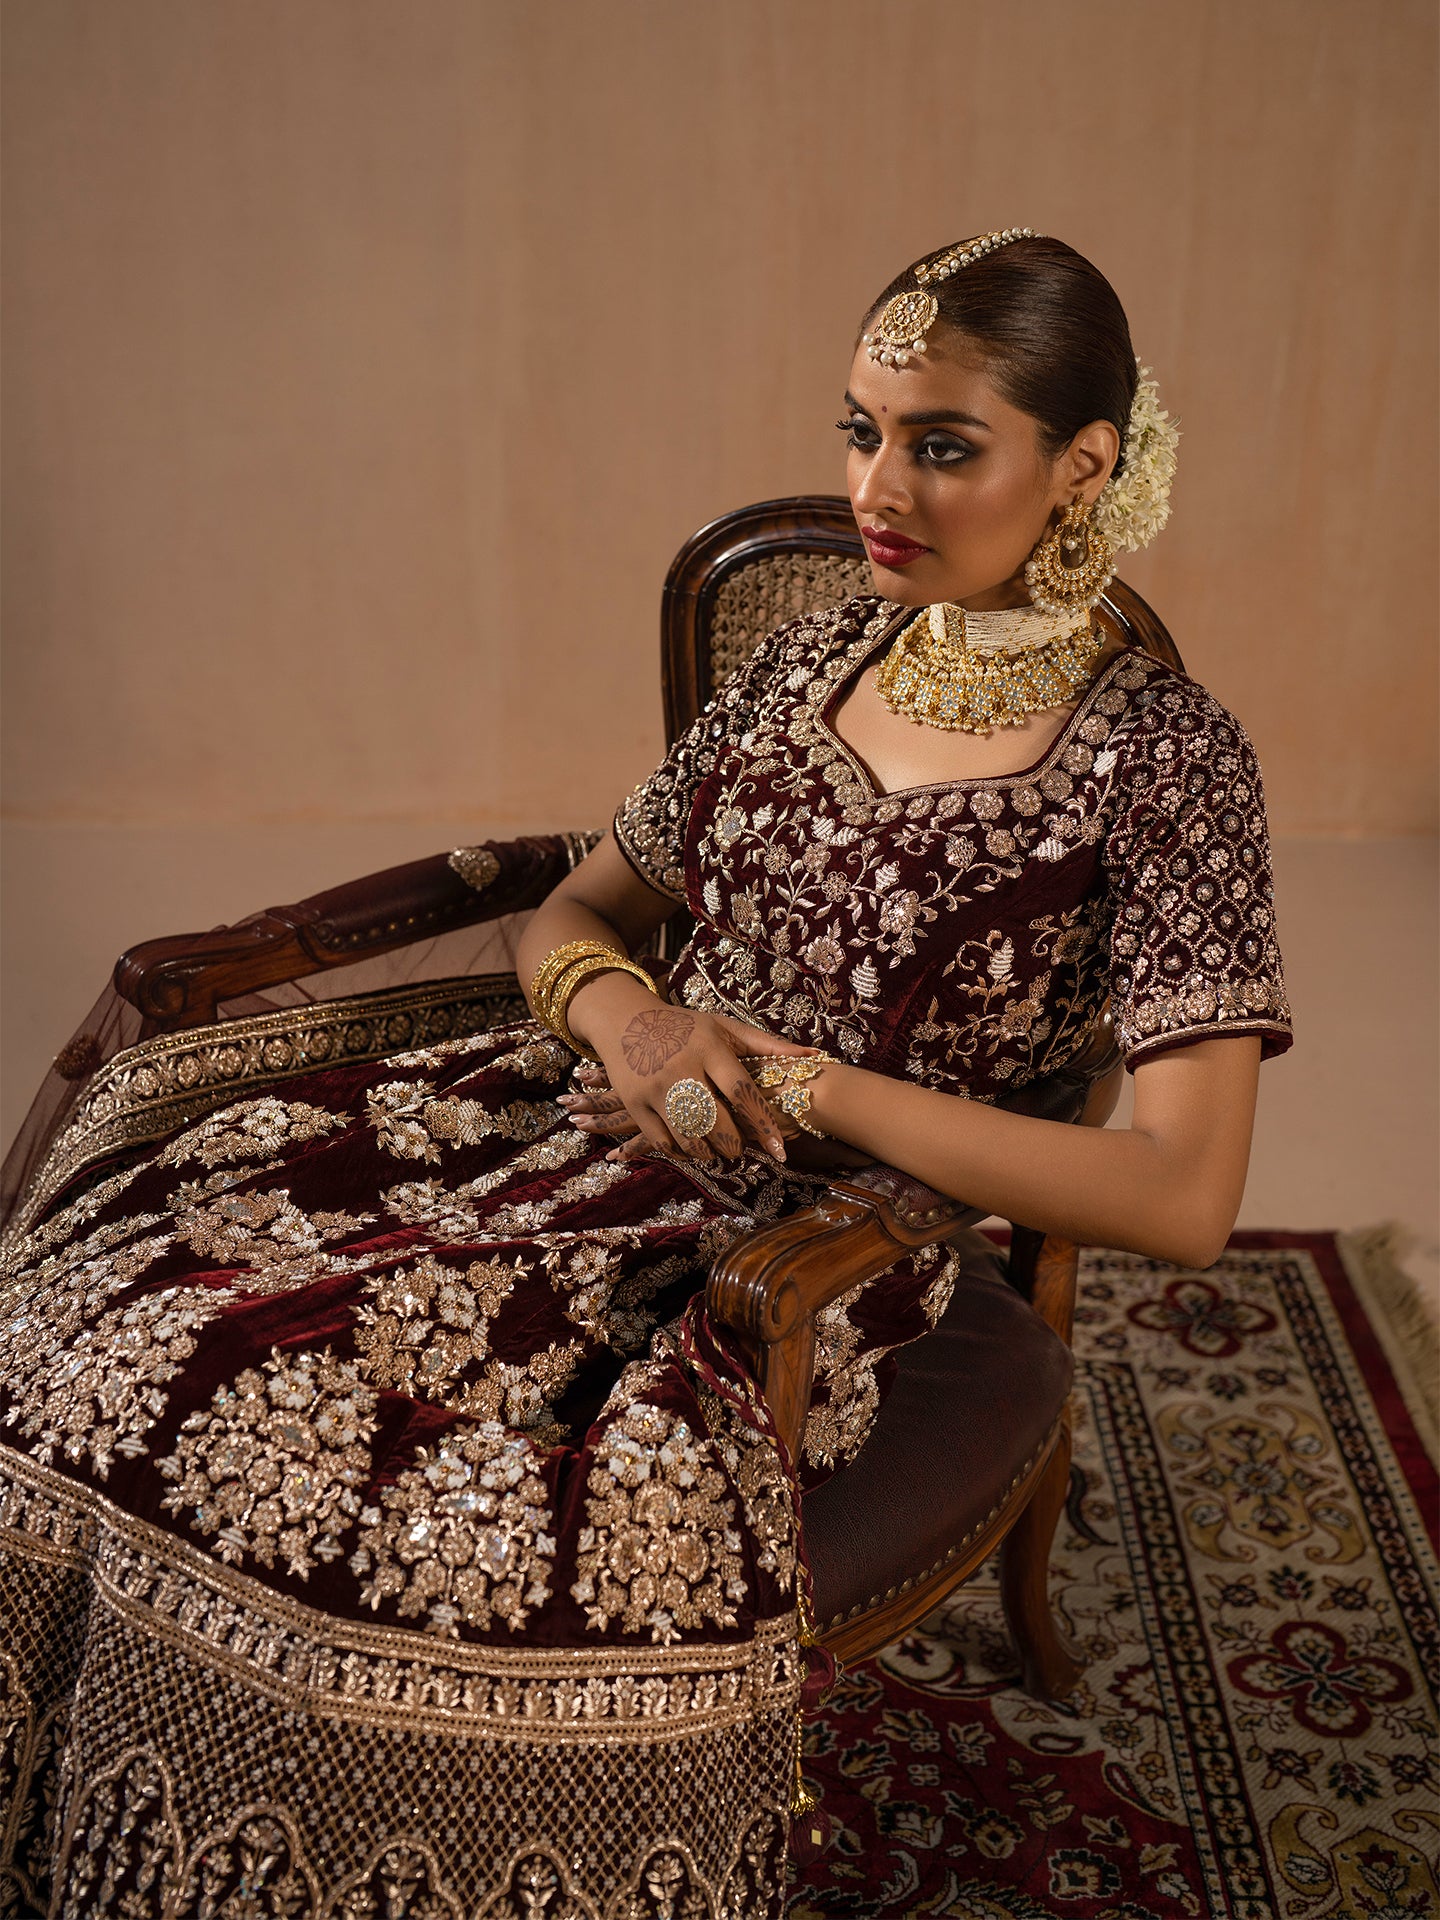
1049, 1666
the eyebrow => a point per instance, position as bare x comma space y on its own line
936, 417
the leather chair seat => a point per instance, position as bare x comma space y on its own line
971, 1406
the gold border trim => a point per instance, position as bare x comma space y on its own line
313, 1662
158, 1084
1258, 1023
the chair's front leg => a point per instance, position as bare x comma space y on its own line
1048, 1664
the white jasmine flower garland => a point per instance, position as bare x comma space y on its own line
1135, 502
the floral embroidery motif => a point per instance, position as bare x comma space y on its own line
846, 1394
273, 1469
411, 1122
254, 1867
280, 1244
428, 1334
453, 1213
430, 1322
464, 1534
661, 1548
601, 1299
251, 1130
402, 1878
765, 1492
95, 1391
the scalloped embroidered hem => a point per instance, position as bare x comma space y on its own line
182, 1737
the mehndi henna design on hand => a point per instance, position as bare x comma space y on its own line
606, 1102
655, 1036
751, 1105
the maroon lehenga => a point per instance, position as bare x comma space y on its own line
387, 1530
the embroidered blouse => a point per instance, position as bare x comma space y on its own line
965, 934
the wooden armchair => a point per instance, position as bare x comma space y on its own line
971, 1450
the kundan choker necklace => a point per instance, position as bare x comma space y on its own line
969, 672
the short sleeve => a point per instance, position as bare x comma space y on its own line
1193, 953
650, 823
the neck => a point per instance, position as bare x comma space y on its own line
1009, 595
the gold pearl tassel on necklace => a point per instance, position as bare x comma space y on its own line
971, 672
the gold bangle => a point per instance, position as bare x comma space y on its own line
553, 965
574, 978
561, 974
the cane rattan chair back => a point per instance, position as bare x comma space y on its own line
748, 573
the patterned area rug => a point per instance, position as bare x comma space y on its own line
1245, 1566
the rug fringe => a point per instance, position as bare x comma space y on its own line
1379, 1261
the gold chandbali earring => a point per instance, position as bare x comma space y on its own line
1072, 566
971, 672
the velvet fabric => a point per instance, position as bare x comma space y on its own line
378, 1500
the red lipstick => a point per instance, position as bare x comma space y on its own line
891, 549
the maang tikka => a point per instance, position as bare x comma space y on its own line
900, 327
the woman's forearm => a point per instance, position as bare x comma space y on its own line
603, 900
1169, 1186
555, 923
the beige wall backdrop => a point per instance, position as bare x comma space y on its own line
365, 364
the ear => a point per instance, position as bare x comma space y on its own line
1089, 460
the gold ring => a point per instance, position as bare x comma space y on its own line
690, 1109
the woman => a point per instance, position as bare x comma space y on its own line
388, 1528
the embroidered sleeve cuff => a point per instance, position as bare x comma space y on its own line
1182, 1019
669, 880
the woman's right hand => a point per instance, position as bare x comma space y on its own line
645, 1046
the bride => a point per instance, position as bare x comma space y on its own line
386, 1528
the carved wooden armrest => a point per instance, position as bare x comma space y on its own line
770, 1285
176, 981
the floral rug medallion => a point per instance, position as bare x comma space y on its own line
1245, 1567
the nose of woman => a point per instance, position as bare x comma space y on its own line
880, 487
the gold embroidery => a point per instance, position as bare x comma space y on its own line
211, 1710
273, 1467
250, 1130
660, 1547
430, 1326
404, 1878
25, 1248
449, 1213
813, 887
464, 1534
846, 1395
430, 1322
766, 1493
254, 1867
123, 1830
95, 1391
412, 1123
149, 1089
608, 1306
266, 1232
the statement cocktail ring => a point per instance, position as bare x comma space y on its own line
690, 1109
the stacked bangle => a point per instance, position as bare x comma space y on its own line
563, 971
784, 1077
